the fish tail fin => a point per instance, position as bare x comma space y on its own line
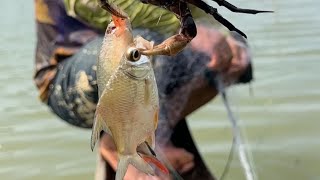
156, 162
149, 156
122, 167
96, 130
136, 161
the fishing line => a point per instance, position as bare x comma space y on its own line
237, 138
229, 160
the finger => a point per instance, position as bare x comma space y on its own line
241, 62
185, 161
186, 167
107, 142
220, 61
238, 66
185, 157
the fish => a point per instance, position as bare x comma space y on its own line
128, 105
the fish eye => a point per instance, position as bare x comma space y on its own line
133, 54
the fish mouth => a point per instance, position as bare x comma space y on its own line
111, 28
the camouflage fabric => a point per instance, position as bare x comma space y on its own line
59, 36
141, 15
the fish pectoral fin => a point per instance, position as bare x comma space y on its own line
98, 126
156, 162
136, 161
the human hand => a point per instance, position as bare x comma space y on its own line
229, 56
180, 159
135, 174
240, 61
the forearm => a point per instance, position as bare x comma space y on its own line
184, 84
141, 15
183, 101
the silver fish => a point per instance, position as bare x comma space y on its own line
128, 105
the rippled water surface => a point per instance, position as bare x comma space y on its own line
280, 119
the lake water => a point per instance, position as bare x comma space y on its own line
280, 119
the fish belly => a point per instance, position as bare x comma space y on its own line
129, 113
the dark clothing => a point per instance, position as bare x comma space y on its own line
73, 93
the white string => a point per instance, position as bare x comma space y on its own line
246, 162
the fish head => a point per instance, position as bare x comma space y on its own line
134, 64
118, 37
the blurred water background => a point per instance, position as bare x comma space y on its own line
279, 119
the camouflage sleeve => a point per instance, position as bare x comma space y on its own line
142, 15
89, 12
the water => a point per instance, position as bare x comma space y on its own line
280, 120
